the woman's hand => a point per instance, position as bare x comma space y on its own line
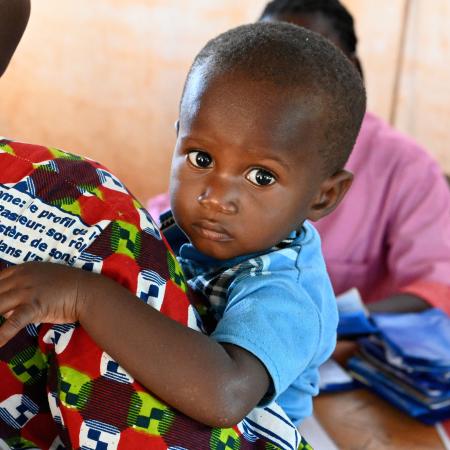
344, 351
39, 292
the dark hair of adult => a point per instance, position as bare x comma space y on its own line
339, 17
293, 59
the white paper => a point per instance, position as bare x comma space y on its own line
443, 435
350, 301
316, 436
332, 373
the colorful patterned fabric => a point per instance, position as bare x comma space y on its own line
58, 389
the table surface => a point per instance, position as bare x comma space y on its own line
360, 420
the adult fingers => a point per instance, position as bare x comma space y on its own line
20, 318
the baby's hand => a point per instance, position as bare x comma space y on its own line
39, 292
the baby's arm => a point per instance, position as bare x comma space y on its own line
212, 383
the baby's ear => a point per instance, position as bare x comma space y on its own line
332, 191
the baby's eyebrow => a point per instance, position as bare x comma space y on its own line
264, 159
195, 141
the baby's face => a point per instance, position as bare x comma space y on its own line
245, 170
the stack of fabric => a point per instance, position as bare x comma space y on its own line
408, 363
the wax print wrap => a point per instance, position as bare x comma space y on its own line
58, 389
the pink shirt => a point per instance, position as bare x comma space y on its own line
391, 233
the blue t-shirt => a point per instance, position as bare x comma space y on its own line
278, 305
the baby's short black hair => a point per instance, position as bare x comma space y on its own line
293, 58
339, 17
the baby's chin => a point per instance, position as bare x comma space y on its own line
221, 251
224, 250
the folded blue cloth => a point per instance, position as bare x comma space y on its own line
430, 383
370, 376
418, 338
408, 362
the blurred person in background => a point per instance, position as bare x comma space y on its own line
390, 237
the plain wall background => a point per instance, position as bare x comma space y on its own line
103, 78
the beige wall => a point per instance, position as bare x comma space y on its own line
103, 78
419, 103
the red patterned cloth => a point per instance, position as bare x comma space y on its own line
58, 389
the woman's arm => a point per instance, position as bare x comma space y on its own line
212, 383
399, 303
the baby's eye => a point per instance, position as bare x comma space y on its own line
261, 177
200, 159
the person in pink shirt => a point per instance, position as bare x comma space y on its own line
390, 237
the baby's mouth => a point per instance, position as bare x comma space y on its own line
212, 231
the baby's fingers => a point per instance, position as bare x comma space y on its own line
17, 320
9, 300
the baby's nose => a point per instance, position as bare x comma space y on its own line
220, 197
